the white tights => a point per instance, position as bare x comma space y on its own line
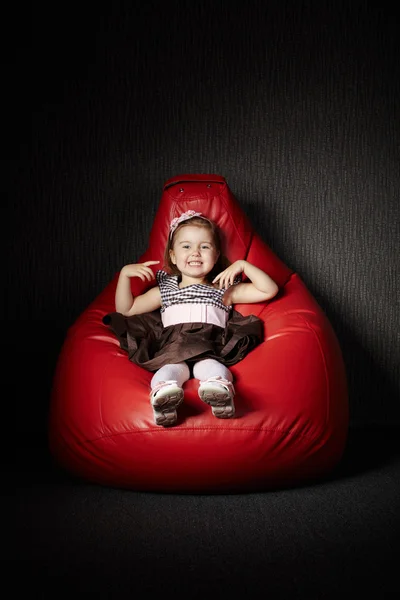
180, 373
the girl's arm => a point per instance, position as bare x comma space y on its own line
261, 288
125, 303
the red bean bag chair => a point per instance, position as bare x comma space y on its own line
291, 395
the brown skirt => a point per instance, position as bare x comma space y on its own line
151, 345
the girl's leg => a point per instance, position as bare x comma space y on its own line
179, 373
204, 369
167, 393
216, 387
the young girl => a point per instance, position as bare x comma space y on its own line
187, 321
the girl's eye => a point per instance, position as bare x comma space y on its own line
206, 247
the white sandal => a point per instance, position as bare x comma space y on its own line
218, 393
165, 398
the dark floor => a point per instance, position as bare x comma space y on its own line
322, 540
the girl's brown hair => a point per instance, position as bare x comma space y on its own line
222, 262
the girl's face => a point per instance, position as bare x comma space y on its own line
194, 253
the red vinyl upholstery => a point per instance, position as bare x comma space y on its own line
291, 393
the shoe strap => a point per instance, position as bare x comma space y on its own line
162, 384
222, 381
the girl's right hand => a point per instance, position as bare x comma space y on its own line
141, 270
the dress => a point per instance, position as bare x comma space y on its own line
192, 324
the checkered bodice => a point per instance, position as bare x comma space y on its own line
198, 293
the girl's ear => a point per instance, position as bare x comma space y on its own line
172, 257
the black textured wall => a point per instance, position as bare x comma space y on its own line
295, 103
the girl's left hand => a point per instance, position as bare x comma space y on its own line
227, 277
